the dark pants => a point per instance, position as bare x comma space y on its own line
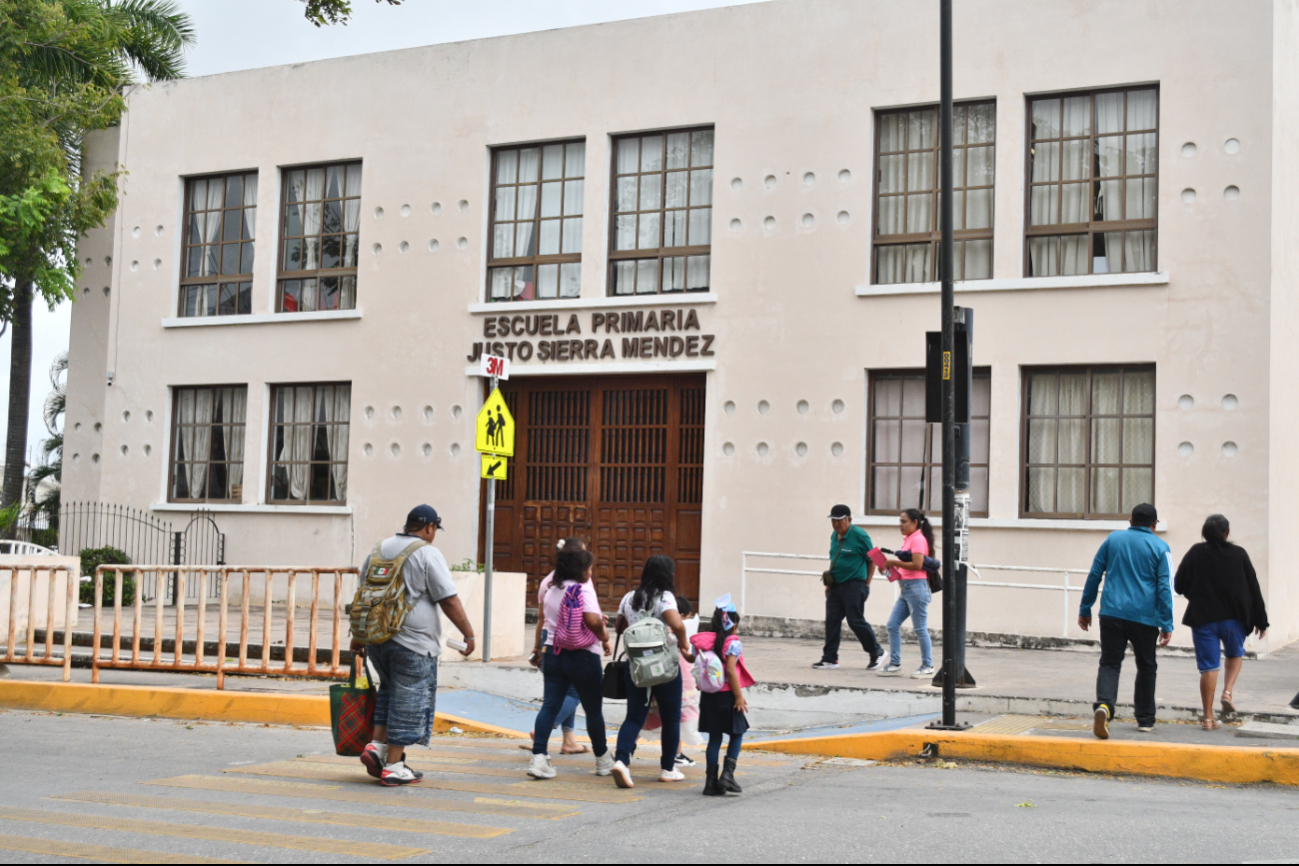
848, 599
1116, 634
714, 751
668, 696
581, 670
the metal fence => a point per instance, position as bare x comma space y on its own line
24, 589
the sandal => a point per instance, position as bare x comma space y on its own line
580, 750
1228, 708
1210, 725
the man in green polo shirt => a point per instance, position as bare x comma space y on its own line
852, 571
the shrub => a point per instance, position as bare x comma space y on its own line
92, 558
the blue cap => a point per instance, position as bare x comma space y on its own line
421, 516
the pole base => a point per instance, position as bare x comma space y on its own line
939, 726
966, 680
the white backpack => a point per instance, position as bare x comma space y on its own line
710, 673
652, 662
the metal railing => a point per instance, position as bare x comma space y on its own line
1064, 588
201, 655
33, 653
24, 548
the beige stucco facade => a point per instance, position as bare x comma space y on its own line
790, 88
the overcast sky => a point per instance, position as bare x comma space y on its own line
245, 34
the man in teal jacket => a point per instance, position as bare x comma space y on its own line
1137, 609
852, 571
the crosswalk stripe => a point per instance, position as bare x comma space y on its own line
567, 775
447, 749
214, 834
103, 853
560, 762
279, 813
336, 793
547, 791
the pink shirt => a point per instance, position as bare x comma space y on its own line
550, 597
915, 542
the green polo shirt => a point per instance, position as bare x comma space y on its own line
852, 564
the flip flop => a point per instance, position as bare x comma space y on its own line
580, 750
1228, 708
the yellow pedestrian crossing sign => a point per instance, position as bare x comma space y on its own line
495, 467
495, 433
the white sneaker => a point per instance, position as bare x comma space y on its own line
604, 764
892, 671
671, 776
924, 673
622, 775
539, 767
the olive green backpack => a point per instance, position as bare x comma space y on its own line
380, 607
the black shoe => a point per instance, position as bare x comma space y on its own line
711, 788
875, 662
1294, 705
726, 781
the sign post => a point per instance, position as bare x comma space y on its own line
494, 439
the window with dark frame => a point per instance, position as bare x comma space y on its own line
536, 222
309, 440
907, 230
1093, 166
661, 238
220, 236
1089, 441
207, 444
905, 457
319, 238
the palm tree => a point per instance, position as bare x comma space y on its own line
48, 474
69, 61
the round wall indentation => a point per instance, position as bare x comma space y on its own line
728, 449
736, 225
76, 458
736, 184
1186, 401
801, 449
107, 291
763, 407
396, 413
135, 265
378, 213
367, 449
126, 415
837, 407
1230, 449
1231, 145
1230, 401
89, 260
456, 412
809, 178
158, 231
428, 413
462, 244
426, 449
808, 220
1189, 149
837, 449
729, 407
844, 217
1188, 195
464, 206
769, 181
148, 449
436, 208
769, 223
135, 232
108, 260
433, 245
405, 210
763, 449
845, 176
394, 449
157, 263
1231, 193
125, 450
376, 249
148, 415
1185, 449
98, 426
76, 428
94, 458
403, 246
803, 407
455, 449
369, 411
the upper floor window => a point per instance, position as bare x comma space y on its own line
309, 435
319, 238
1093, 164
663, 213
207, 444
536, 222
905, 457
220, 235
908, 228
1089, 441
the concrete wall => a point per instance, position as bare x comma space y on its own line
31, 577
790, 87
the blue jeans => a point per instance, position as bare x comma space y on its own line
914, 603
568, 712
408, 687
668, 696
1211, 640
575, 669
715, 748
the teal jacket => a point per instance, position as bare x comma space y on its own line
852, 562
1137, 568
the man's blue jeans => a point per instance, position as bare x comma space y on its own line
408, 687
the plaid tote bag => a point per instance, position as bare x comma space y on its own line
351, 712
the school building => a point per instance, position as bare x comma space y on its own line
707, 242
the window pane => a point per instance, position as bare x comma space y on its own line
548, 281
647, 276
651, 192
572, 235
677, 186
552, 195
1071, 491
504, 203
354, 180
1139, 392
1046, 161
528, 165
884, 489
1109, 156
507, 166
1041, 490
625, 232
575, 160
524, 240
890, 220
891, 173
647, 237
1143, 109
978, 260
701, 148
1044, 205
570, 280
573, 192
1105, 491
674, 274
503, 241
1041, 440
1138, 487
674, 228
1076, 119
679, 150
920, 217
651, 153
1139, 440
624, 278
701, 226
1075, 159
628, 155
902, 263
1105, 440
1043, 257
892, 132
1074, 255
978, 209
1046, 118
1109, 112
697, 273
501, 279
552, 162
549, 243
701, 187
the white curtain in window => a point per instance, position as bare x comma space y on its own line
234, 403
185, 451
202, 438
212, 231
351, 225
336, 406
297, 443
311, 218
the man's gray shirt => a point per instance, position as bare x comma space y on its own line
428, 581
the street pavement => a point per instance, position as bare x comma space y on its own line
140, 789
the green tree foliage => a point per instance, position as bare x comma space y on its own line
43, 482
92, 558
322, 12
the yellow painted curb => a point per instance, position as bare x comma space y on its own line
206, 705
1177, 760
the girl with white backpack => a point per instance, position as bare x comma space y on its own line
722, 675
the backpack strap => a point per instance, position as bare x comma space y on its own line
401, 558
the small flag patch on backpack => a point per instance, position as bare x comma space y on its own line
382, 572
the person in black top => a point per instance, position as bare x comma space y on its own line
1226, 604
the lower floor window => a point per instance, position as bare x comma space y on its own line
667, 274
317, 293
309, 439
1099, 253
537, 282
208, 444
216, 299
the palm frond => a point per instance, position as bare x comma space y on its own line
152, 35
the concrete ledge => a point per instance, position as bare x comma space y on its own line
1176, 760
193, 704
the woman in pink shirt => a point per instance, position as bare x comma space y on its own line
913, 600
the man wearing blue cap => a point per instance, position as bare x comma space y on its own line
407, 664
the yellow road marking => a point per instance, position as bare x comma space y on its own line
548, 791
214, 834
103, 853
567, 775
279, 813
350, 794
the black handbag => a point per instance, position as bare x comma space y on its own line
615, 675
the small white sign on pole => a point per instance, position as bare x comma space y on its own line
494, 366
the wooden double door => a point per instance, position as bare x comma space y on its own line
617, 461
